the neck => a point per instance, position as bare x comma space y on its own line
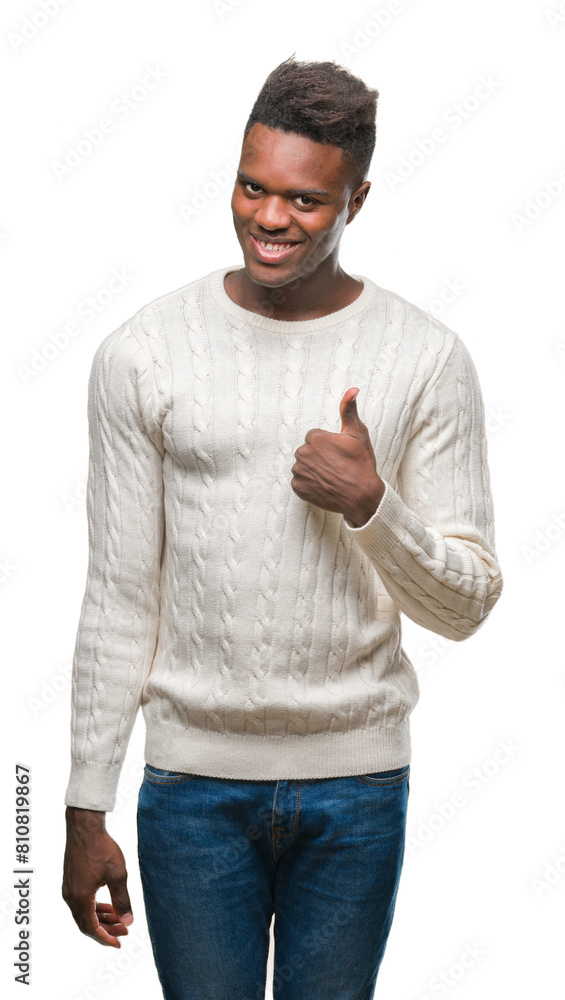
300, 298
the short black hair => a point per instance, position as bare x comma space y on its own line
324, 102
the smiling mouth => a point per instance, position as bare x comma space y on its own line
273, 250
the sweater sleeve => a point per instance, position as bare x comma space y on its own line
118, 627
431, 541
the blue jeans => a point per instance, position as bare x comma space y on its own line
219, 857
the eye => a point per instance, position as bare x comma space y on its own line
251, 184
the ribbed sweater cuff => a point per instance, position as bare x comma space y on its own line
386, 528
92, 785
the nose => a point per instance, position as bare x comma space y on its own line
272, 214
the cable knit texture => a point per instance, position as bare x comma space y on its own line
260, 634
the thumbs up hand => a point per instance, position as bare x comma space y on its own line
338, 472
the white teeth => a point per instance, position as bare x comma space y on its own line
274, 246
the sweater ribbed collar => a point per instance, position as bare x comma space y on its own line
217, 288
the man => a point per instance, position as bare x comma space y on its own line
255, 532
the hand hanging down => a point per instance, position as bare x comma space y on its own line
338, 472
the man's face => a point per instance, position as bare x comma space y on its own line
275, 166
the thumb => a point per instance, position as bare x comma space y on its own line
350, 420
117, 884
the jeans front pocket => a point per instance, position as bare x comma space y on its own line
394, 777
159, 776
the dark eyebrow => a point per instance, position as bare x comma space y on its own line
293, 191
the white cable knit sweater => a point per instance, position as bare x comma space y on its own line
260, 634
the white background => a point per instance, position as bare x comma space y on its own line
482, 212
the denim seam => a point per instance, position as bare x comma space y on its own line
275, 834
